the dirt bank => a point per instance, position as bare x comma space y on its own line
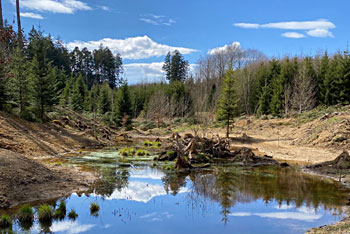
28, 152
24, 180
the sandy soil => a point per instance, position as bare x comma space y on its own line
27, 151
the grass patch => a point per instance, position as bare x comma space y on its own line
25, 214
127, 152
141, 152
45, 213
72, 215
170, 153
61, 211
94, 209
152, 144
5, 221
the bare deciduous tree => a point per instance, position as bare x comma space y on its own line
304, 91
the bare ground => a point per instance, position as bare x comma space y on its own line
27, 151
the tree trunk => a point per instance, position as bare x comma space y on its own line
228, 128
19, 21
1, 19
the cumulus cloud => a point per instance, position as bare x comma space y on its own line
70, 227
147, 72
157, 19
293, 35
31, 15
131, 48
62, 6
216, 50
315, 28
320, 33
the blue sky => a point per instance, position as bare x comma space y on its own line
144, 30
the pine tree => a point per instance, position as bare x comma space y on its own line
175, 67
65, 96
43, 77
123, 106
78, 94
324, 66
104, 99
20, 84
227, 104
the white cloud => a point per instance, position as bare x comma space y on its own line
315, 28
105, 8
62, 6
70, 227
31, 15
320, 33
233, 45
147, 72
300, 25
141, 192
156, 216
246, 25
157, 19
293, 35
131, 48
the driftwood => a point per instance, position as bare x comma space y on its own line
193, 149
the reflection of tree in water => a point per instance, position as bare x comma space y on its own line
112, 178
227, 186
174, 181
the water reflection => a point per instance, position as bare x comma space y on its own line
202, 201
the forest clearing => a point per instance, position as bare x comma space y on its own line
164, 117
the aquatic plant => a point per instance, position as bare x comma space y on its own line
5, 221
94, 208
45, 213
141, 152
152, 143
25, 214
127, 152
61, 211
72, 215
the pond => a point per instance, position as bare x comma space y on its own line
141, 197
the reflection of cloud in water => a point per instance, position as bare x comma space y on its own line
70, 227
147, 174
302, 213
141, 192
157, 216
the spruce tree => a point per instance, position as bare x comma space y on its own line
104, 99
175, 67
43, 77
20, 84
78, 94
227, 104
3, 80
123, 106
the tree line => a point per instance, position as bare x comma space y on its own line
38, 72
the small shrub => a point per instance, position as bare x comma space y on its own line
5, 221
72, 215
45, 213
25, 214
94, 208
152, 143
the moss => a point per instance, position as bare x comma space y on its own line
45, 213
141, 152
127, 152
170, 153
94, 209
25, 214
5, 221
155, 144
72, 215
170, 167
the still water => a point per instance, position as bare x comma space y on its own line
144, 198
